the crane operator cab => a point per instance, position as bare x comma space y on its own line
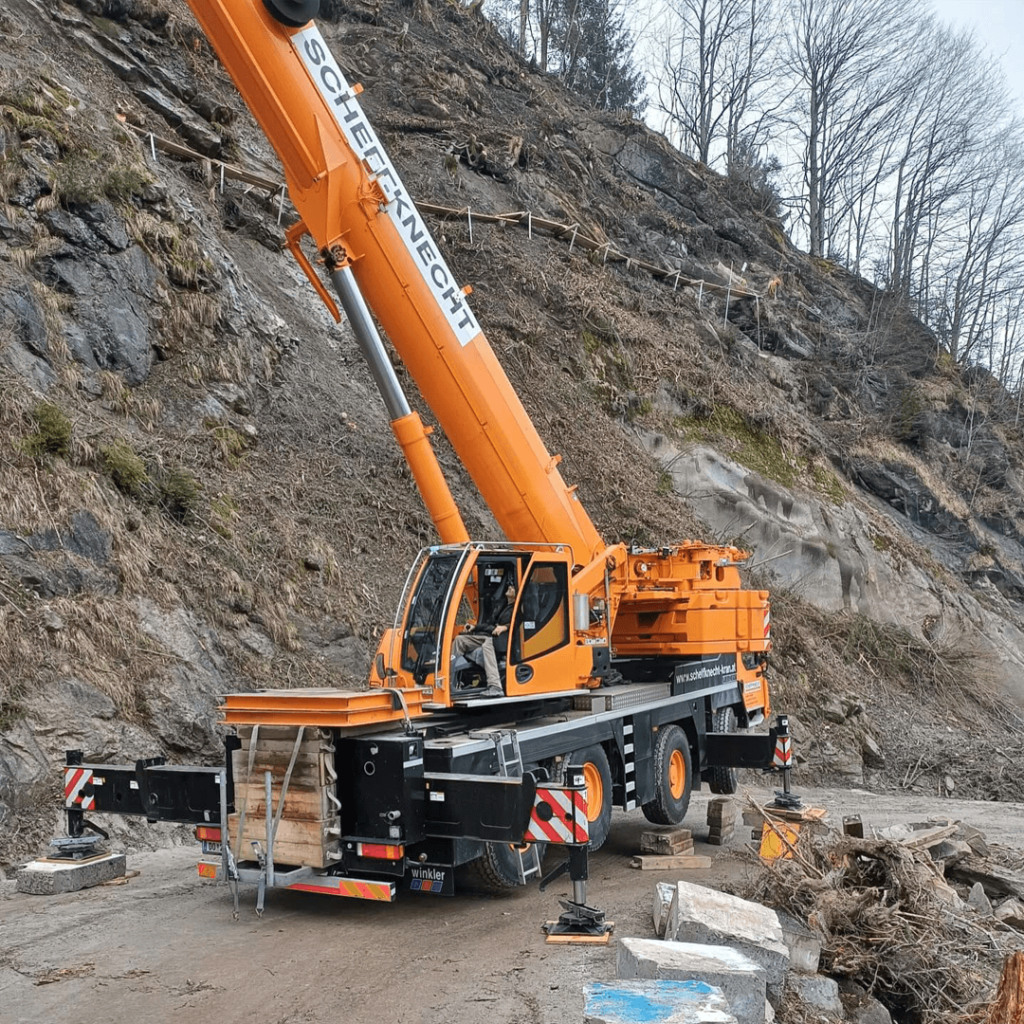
488, 622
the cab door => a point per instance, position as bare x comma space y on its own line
541, 658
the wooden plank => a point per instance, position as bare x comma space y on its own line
673, 841
288, 831
305, 774
302, 803
756, 814
579, 940
583, 940
680, 862
291, 854
924, 839
282, 738
297, 842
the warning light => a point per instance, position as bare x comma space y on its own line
380, 851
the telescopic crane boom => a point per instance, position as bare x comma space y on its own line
361, 218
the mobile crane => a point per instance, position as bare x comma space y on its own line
625, 674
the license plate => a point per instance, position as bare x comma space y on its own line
210, 847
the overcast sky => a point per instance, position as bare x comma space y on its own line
999, 24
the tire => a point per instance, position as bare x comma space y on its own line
724, 780
673, 776
496, 871
598, 774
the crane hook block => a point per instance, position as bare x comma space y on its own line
293, 13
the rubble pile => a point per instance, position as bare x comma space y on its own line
921, 917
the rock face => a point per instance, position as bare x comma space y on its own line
831, 557
150, 300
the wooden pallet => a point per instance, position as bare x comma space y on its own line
303, 836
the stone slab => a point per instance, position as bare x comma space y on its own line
702, 915
818, 991
803, 945
663, 895
49, 877
741, 980
655, 1002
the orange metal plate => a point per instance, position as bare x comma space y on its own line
324, 707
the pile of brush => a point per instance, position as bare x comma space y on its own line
890, 922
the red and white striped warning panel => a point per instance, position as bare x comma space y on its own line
75, 780
783, 752
767, 623
559, 816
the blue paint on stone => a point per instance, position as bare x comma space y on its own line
658, 1001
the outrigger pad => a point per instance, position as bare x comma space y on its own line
579, 923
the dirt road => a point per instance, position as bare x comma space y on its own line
165, 946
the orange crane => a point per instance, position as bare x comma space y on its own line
550, 657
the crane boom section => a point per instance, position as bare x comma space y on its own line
356, 209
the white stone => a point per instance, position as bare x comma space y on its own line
818, 991
655, 1002
741, 980
663, 894
803, 945
703, 915
48, 877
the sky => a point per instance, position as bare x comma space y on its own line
999, 25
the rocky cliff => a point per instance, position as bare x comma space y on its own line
198, 488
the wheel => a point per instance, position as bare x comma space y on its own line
496, 871
672, 773
724, 780
598, 775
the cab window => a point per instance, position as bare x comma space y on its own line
542, 619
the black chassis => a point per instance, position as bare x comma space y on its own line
396, 778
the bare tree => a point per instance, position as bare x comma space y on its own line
984, 250
845, 60
954, 103
714, 55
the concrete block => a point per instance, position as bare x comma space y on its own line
48, 877
663, 895
803, 945
655, 1002
702, 915
818, 991
741, 980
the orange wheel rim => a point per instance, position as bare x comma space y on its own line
595, 790
676, 774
